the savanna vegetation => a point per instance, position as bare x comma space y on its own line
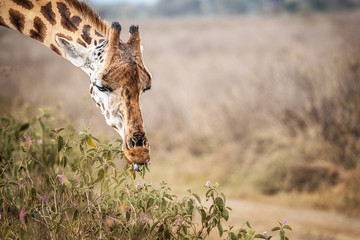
57, 184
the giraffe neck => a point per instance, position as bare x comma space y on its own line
43, 20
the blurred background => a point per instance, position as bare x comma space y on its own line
262, 96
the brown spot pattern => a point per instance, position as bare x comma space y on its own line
86, 34
48, 13
40, 30
98, 34
24, 3
17, 19
88, 13
64, 36
69, 23
79, 41
55, 49
2, 22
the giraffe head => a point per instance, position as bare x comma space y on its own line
118, 77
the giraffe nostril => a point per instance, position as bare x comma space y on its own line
137, 142
132, 142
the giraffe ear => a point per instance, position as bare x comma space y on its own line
74, 52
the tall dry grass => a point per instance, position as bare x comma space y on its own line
260, 104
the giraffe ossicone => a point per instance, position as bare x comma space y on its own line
118, 75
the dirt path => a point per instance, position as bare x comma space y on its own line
306, 224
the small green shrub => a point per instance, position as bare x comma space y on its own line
57, 184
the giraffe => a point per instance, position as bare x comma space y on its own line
118, 75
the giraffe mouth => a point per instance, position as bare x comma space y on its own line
136, 167
136, 148
139, 155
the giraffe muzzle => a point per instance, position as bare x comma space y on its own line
137, 149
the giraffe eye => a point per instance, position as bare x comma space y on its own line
103, 88
148, 88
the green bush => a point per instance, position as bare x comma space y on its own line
57, 184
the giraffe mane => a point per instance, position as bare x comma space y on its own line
86, 11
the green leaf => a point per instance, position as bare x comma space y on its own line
9, 194
64, 161
288, 227
197, 197
224, 197
208, 192
214, 222
67, 209
233, 236
161, 228
58, 130
101, 174
248, 224
147, 166
93, 137
33, 214
76, 215
53, 217
161, 194
13, 183
24, 127
175, 209
221, 230
203, 215
282, 234
212, 193
225, 214
42, 125
259, 236
185, 229
97, 231
167, 234
33, 193
109, 155
219, 202
121, 181
60, 141
275, 229
89, 141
